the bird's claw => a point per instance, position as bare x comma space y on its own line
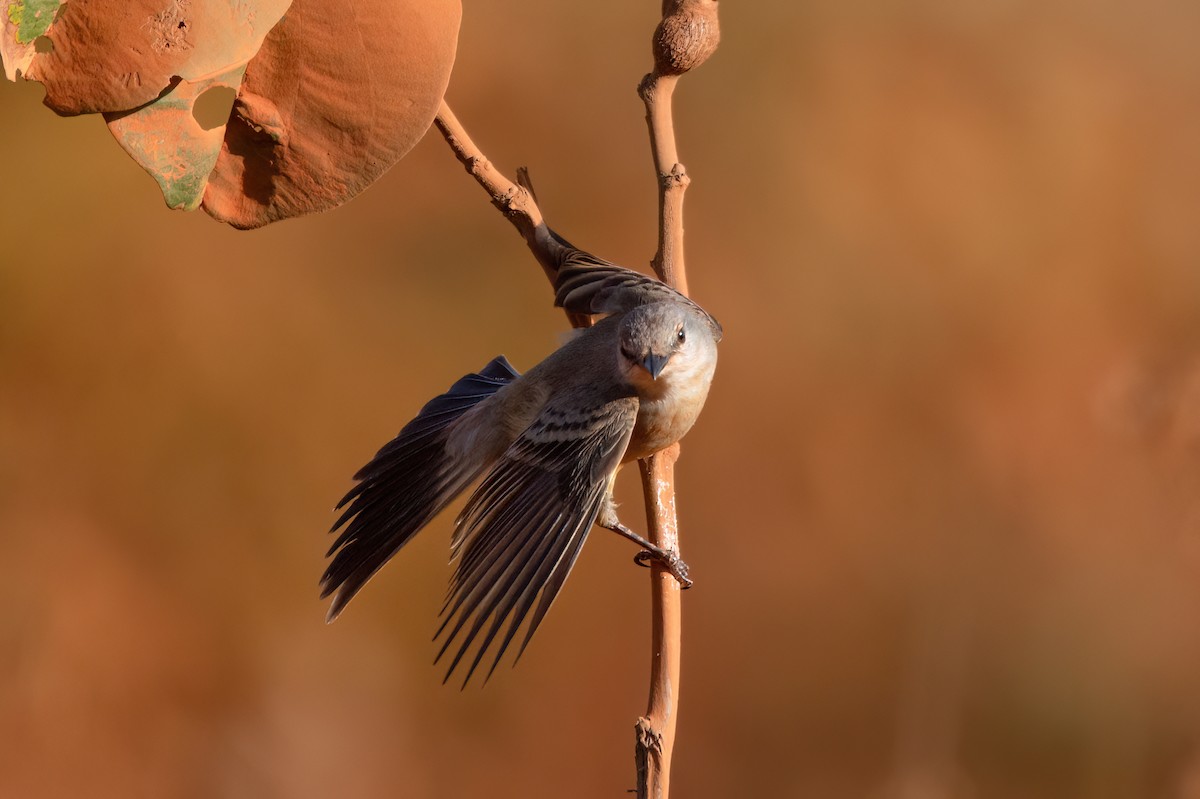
669, 561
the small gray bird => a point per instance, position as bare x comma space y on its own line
547, 445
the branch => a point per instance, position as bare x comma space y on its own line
516, 202
686, 37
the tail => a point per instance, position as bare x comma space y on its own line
405, 485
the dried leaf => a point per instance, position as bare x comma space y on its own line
117, 55
337, 94
169, 142
21, 23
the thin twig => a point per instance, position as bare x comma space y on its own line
516, 202
686, 37
656, 92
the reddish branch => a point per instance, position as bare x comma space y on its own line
686, 37
515, 202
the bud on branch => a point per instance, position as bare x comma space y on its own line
686, 37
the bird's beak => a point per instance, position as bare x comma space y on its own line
654, 364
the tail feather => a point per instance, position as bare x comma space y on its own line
408, 482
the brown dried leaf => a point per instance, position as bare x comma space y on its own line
169, 142
337, 94
116, 55
21, 23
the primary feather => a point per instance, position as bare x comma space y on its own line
405, 485
522, 530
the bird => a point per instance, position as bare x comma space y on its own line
545, 447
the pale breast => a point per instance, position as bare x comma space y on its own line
664, 420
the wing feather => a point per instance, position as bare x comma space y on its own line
523, 528
408, 481
586, 284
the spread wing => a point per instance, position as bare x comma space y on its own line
520, 533
585, 284
405, 485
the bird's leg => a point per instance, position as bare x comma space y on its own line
670, 560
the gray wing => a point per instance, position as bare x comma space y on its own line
521, 531
585, 284
411, 479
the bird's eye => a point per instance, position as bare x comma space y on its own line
681, 336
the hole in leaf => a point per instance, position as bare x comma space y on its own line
42, 44
211, 109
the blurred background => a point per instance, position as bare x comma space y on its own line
942, 508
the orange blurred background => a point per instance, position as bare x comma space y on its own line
942, 507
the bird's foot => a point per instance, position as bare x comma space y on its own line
669, 561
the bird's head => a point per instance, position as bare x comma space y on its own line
663, 339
